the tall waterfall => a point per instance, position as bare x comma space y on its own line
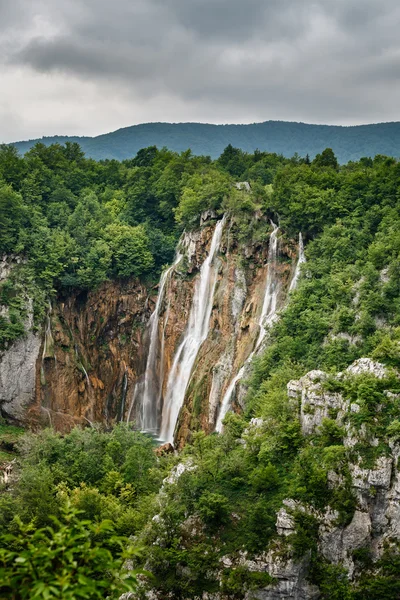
300, 261
196, 333
267, 317
152, 384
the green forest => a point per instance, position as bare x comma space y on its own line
282, 137
86, 504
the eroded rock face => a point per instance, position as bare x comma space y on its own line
291, 580
315, 402
366, 365
18, 377
97, 353
375, 523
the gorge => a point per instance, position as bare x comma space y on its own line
210, 318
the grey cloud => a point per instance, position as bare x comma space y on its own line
307, 60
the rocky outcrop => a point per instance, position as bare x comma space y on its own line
376, 488
18, 361
97, 353
375, 524
82, 365
18, 377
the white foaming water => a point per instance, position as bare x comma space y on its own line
268, 313
196, 333
152, 383
150, 390
267, 317
300, 261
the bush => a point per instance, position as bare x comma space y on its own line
213, 508
71, 559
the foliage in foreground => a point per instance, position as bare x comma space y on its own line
70, 559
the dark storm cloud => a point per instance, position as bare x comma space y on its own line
307, 60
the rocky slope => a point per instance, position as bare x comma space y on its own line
368, 472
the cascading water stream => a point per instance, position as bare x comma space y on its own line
300, 261
268, 312
152, 384
123, 396
267, 317
196, 333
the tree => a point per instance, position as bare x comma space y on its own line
12, 166
201, 192
130, 249
327, 158
12, 216
233, 160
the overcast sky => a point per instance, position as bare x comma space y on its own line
86, 67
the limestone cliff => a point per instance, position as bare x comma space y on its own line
84, 362
375, 524
90, 360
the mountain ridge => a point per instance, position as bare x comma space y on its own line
349, 142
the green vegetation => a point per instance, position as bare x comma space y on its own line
65, 523
71, 559
69, 222
77, 223
9, 437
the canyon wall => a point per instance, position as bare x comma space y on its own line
89, 363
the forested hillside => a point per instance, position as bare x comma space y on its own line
348, 143
298, 496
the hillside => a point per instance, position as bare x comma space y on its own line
349, 143
266, 357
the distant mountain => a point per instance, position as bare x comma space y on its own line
287, 138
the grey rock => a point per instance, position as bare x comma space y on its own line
207, 215
243, 185
291, 580
366, 365
315, 402
18, 376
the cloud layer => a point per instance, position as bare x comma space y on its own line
90, 66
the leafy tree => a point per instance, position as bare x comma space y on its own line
327, 158
12, 217
130, 249
201, 192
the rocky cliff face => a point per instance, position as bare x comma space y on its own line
90, 360
93, 357
82, 364
18, 362
234, 324
375, 525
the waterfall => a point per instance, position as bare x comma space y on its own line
86, 376
268, 313
267, 317
123, 396
152, 384
300, 261
196, 333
